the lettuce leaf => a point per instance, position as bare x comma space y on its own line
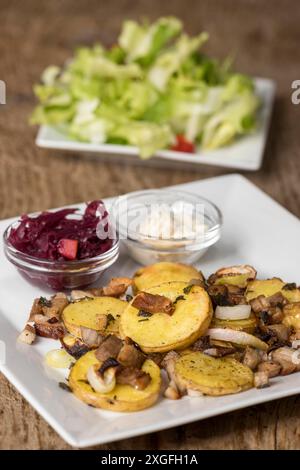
170, 61
148, 137
143, 42
232, 120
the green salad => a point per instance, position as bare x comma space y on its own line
155, 89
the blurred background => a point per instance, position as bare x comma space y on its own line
263, 36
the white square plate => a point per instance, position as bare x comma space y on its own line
245, 154
256, 230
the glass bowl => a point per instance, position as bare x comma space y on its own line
201, 227
61, 274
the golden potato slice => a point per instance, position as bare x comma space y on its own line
292, 315
269, 287
211, 376
158, 273
239, 280
248, 325
122, 397
90, 313
266, 287
161, 332
233, 275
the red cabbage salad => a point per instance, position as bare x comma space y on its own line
63, 234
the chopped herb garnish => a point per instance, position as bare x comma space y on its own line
290, 286
64, 386
144, 319
188, 288
180, 297
110, 318
128, 298
45, 302
143, 313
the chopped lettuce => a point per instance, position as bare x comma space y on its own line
148, 137
143, 42
149, 87
234, 119
50, 74
169, 62
93, 63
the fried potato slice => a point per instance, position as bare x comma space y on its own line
292, 315
158, 273
248, 325
91, 312
238, 275
269, 287
122, 397
212, 376
161, 332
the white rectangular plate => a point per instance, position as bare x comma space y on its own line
255, 230
246, 153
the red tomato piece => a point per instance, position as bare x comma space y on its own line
183, 145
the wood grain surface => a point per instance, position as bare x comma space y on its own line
264, 36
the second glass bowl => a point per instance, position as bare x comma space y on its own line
133, 211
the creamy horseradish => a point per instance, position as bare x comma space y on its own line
171, 227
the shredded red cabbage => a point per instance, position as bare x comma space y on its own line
39, 236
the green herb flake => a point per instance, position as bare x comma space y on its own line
188, 289
180, 297
110, 318
143, 313
45, 302
290, 286
64, 386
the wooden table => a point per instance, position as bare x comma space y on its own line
265, 37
